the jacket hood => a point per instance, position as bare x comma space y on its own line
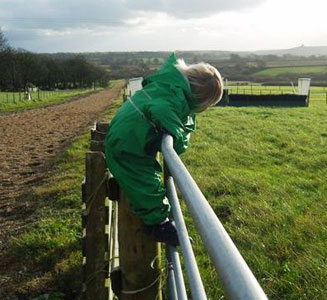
170, 75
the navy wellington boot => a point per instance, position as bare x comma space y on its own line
165, 233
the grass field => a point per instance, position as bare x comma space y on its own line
263, 170
272, 72
267, 167
15, 101
296, 63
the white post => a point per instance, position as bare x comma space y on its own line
304, 86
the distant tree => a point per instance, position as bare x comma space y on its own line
29, 69
288, 56
53, 73
261, 64
80, 73
8, 74
272, 57
7, 65
3, 41
20, 68
78, 70
235, 58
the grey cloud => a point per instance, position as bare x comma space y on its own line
19, 35
192, 8
20, 16
60, 14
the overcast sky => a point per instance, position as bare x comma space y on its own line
132, 25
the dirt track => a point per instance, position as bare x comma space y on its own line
29, 140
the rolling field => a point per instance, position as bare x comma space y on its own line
272, 72
262, 169
15, 101
296, 63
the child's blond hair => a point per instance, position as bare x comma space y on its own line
205, 81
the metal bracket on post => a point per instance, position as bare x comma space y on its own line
97, 146
116, 281
97, 135
113, 192
102, 127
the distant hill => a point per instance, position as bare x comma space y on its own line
194, 55
297, 51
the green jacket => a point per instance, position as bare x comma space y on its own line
165, 104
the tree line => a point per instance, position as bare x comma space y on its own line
233, 66
20, 69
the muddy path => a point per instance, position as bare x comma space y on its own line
29, 141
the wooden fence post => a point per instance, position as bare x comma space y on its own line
106, 251
96, 246
139, 257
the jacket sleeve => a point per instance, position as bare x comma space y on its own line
166, 116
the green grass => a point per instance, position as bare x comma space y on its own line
263, 170
272, 72
15, 101
50, 250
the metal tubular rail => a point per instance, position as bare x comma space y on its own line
196, 285
236, 277
178, 274
171, 280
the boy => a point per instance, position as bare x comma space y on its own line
166, 104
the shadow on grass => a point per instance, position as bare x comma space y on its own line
41, 270
42, 259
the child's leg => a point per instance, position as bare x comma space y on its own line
140, 180
141, 183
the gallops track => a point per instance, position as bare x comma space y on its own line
30, 140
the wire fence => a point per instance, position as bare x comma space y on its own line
17, 97
316, 93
